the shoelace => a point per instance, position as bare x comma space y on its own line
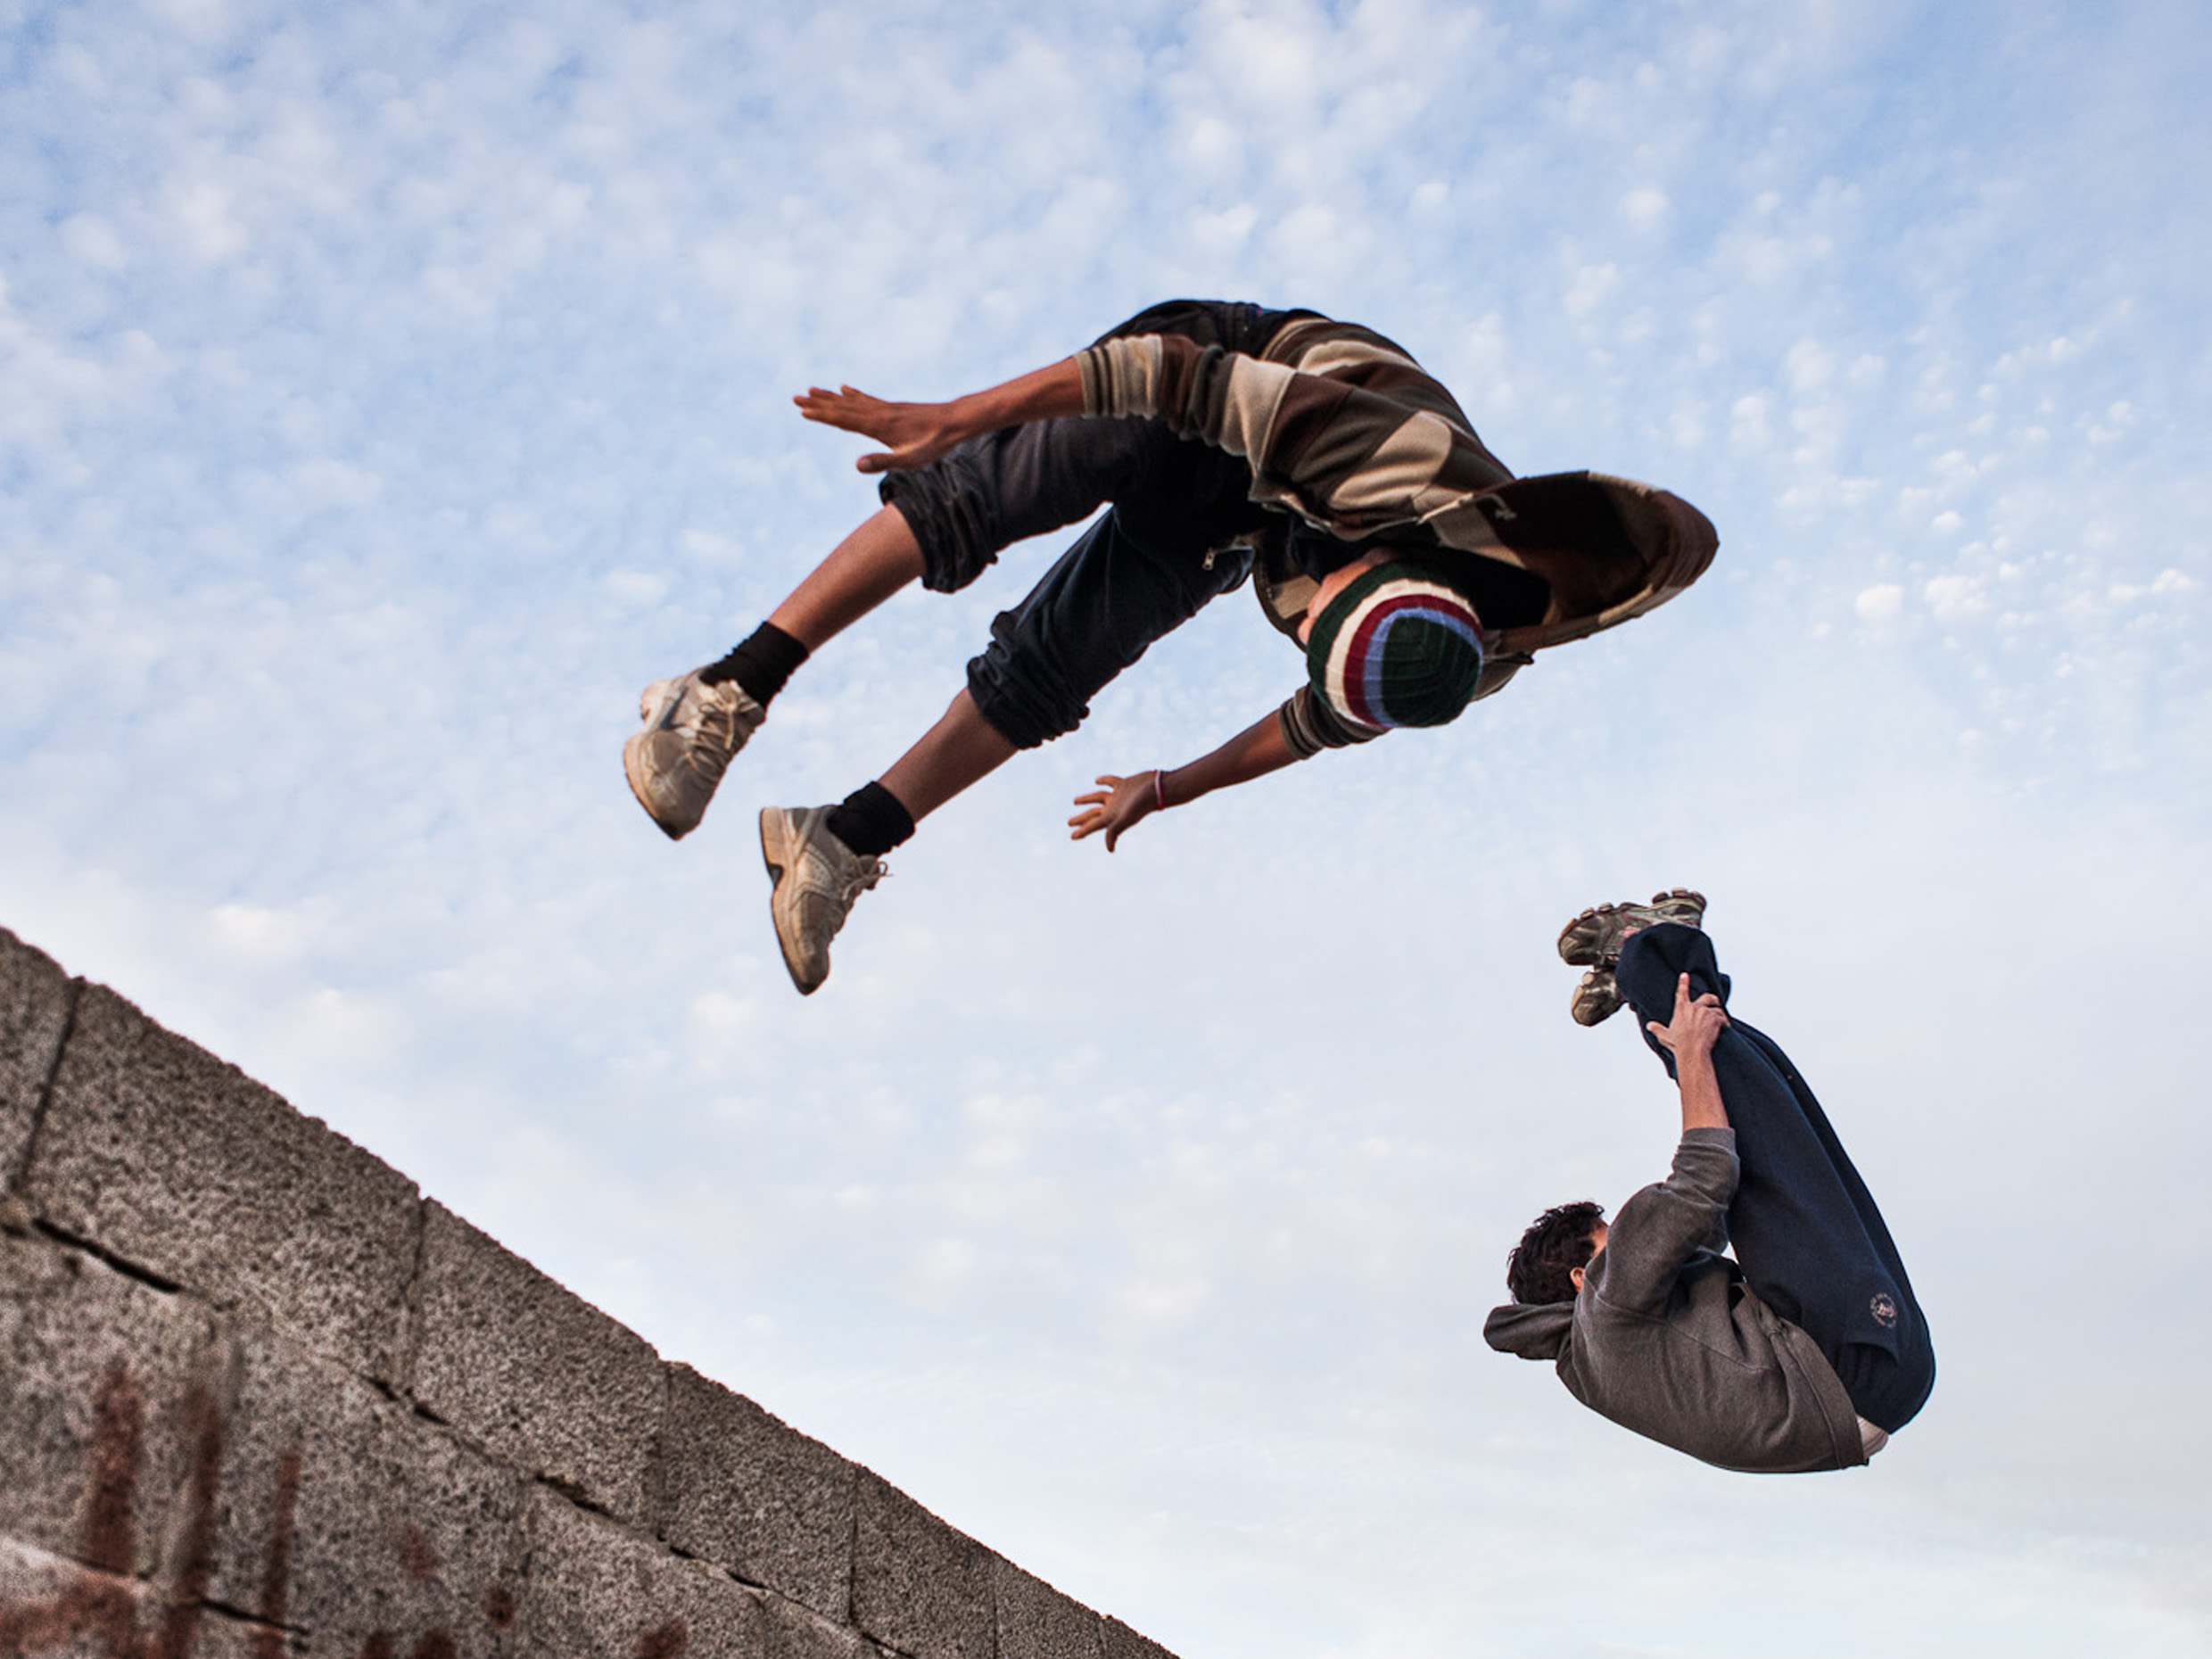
848, 892
706, 757
860, 880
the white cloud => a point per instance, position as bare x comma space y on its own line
1881, 603
1950, 599
1645, 207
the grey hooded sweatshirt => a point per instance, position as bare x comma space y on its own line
1666, 1339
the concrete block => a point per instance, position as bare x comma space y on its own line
536, 1373
917, 1585
1037, 1622
743, 1490
790, 1632
34, 997
169, 1158
1124, 1643
108, 1394
598, 1589
347, 1517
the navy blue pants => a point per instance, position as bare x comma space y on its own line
1143, 570
1806, 1232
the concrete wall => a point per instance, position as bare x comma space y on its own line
258, 1395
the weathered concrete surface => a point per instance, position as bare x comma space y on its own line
919, 1585
1037, 1622
597, 1588
181, 1164
259, 1399
387, 1524
535, 1374
103, 1405
755, 1497
1124, 1643
35, 1001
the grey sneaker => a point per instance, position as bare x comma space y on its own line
1597, 998
691, 730
1593, 938
817, 878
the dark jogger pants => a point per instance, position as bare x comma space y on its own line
1806, 1231
1144, 569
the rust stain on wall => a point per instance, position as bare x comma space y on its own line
104, 1610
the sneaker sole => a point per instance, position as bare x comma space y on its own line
633, 769
775, 837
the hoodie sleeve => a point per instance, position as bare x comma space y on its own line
1663, 1225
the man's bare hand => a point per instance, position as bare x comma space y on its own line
1696, 1025
1114, 807
916, 434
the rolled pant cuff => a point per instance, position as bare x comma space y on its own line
942, 505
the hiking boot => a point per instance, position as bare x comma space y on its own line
817, 878
691, 730
1593, 938
1596, 998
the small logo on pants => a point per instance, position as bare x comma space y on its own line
1884, 1311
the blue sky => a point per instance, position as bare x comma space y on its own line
390, 392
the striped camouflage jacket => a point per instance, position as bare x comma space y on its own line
1345, 430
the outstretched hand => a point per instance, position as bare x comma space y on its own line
917, 433
1114, 807
1695, 1027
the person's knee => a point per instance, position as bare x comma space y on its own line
1024, 703
953, 519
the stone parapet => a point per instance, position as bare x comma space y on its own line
259, 1395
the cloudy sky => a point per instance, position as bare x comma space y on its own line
387, 393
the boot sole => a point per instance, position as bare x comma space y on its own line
1578, 940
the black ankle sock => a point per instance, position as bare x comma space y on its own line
869, 821
761, 665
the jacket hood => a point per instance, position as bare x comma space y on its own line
1533, 1331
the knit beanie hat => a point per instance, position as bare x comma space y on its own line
1397, 648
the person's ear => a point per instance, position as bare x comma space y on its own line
1576, 1274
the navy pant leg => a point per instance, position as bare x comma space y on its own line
1806, 1231
1143, 570
1096, 611
968, 506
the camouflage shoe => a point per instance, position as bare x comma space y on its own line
691, 730
1597, 998
1593, 938
817, 878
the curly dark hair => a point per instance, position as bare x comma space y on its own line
1539, 1268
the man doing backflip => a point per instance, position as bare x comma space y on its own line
1805, 1351
1225, 438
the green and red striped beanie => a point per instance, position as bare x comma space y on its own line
1399, 647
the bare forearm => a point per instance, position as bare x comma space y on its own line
1041, 394
1701, 1106
1253, 752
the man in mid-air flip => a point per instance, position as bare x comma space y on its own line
1805, 1351
1227, 439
